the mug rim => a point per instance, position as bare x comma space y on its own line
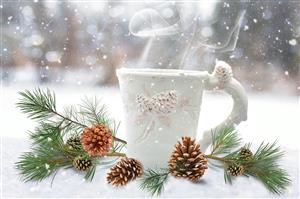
159, 72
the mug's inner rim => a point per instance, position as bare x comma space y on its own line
157, 71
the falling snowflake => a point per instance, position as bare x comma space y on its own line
293, 42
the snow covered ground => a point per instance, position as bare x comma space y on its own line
270, 117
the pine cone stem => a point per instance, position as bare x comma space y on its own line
119, 140
116, 154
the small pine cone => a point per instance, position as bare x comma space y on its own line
245, 154
127, 169
74, 142
143, 103
96, 140
165, 102
223, 71
235, 170
187, 160
82, 163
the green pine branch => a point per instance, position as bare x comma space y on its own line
37, 104
153, 181
224, 140
49, 151
263, 164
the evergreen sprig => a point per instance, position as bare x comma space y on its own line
224, 140
263, 164
37, 104
47, 155
49, 151
153, 181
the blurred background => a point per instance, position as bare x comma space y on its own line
81, 43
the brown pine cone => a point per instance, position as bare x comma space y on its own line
127, 169
235, 170
187, 160
245, 154
96, 140
82, 163
74, 143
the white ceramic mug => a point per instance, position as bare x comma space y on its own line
161, 105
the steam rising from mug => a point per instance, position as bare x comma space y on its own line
149, 23
152, 23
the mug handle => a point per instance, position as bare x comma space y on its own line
222, 79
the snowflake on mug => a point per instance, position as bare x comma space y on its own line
161, 103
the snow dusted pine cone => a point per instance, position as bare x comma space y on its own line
143, 103
223, 71
187, 160
235, 170
82, 163
74, 142
96, 140
245, 154
160, 103
127, 169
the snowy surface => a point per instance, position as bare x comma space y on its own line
270, 117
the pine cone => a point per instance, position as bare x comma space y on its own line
161, 103
245, 154
96, 140
223, 71
127, 169
143, 103
82, 163
187, 160
235, 170
164, 102
74, 142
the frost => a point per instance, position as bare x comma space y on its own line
293, 42
255, 20
47, 166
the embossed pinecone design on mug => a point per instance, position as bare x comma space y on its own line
161, 103
223, 72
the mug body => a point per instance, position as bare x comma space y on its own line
160, 106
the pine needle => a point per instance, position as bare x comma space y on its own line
153, 181
38, 104
224, 140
